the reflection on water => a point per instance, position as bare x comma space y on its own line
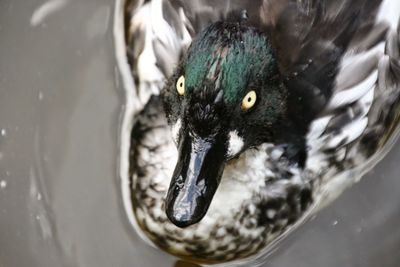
46, 9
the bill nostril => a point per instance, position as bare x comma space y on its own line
179, 183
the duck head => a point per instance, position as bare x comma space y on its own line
226, 96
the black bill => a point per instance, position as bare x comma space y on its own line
195, 180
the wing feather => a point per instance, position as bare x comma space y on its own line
362, 114
157, 33
311, 38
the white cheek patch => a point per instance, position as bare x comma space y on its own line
235, 143
175, 130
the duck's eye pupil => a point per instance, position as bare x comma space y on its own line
249, 99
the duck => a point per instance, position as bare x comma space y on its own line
247, 118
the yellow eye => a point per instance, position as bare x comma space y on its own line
180, 85
249, 100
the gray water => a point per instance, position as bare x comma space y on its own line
61, 99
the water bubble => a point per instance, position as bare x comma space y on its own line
3, 132
40, 96
335, 223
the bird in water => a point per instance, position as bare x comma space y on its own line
247, 117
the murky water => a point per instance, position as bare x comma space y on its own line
61, 100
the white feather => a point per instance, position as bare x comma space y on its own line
235, 143
175, 130
389, 12
350, 95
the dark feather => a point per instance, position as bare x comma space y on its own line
310, 38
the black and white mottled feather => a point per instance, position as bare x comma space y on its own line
341, 57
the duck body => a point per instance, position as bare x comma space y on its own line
217, 175
251, 207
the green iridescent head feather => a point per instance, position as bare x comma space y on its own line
231, 56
